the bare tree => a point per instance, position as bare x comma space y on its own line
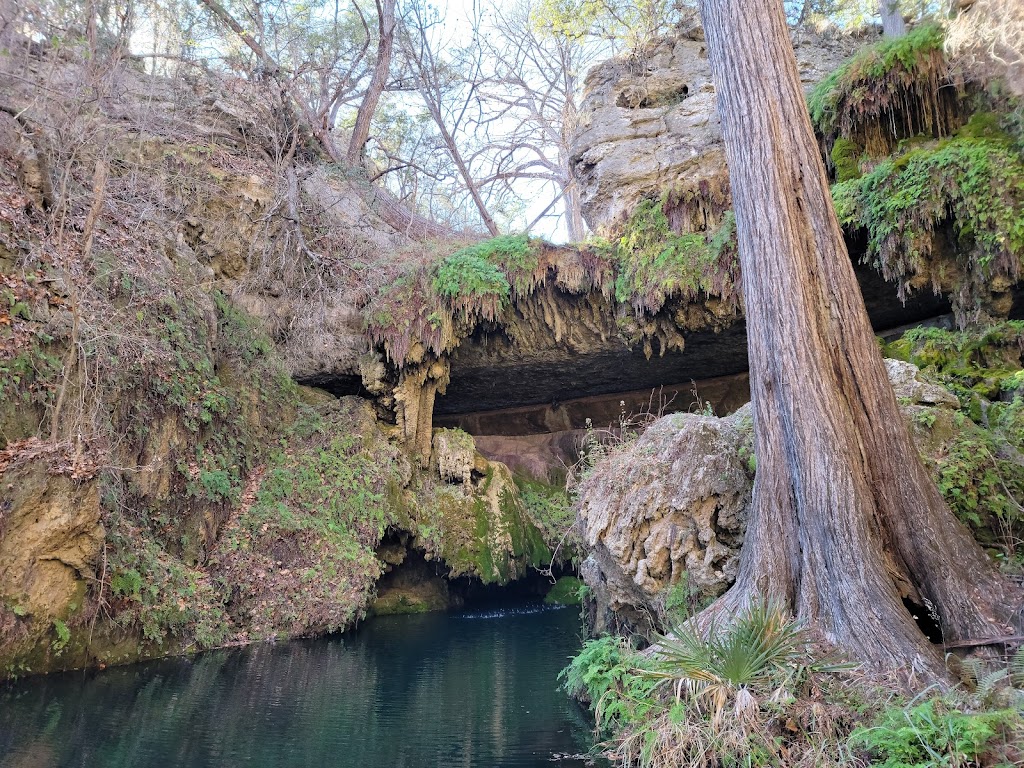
381, 70
532, 93
318, 59
893, 24
448, 91
846, 526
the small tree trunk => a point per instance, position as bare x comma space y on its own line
574, 224
385, 47
845, 523
892, 20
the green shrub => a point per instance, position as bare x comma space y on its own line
606, 674
932, 734
730, 664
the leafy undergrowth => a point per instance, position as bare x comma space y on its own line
299, 559
975, 181
203, 408
892, 90
655, 264
937, 732
756, 692
550, 508
981, 470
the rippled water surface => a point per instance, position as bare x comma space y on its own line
477, 690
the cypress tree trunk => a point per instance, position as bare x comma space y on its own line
846, 523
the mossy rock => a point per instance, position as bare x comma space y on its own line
424, 597
482, 529
846, 160
566, 591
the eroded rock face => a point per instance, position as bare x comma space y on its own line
671, 507
50, 540
478, 528
455, 452
649, 125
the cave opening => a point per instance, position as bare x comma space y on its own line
412, 583
925, 619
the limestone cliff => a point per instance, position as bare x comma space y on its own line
649, 127
164, 484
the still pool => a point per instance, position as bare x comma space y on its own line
472, 690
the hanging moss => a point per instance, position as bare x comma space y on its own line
846, 160
656, 264
977, 185
406, 310
698, 207
430, 309
891, 90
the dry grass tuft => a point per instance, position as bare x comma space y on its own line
987, 41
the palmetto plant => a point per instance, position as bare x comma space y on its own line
754, 655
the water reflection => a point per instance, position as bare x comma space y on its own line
474, 691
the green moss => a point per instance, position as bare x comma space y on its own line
528, 544
566, 591
458, 438
846, 160
979, 469
401, 604
984, 125
977, 184
550, 509
487, 534
877, 79
655, 264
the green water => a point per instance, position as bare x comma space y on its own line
476, 690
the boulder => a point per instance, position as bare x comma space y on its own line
668, 510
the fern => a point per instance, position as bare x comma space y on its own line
1017, 668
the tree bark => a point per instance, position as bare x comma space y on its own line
385, 48
845, 522
892, 20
